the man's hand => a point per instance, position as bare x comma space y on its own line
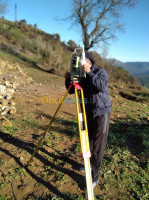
87, 68
67, 75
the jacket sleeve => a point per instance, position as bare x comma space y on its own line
67, 84
100, 81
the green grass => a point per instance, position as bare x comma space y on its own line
2, 185
122, 171
73, 196
3, 55
2, 162
20, 171
19, 124
3, 197
59, 176
38, 75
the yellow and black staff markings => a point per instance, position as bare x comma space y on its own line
83, 132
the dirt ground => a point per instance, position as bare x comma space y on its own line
54, 171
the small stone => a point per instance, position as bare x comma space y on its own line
2, 90
7, 84
1, 97
3, 113
14, 86
21, 158
4, 102
8, 96
4, 107
5, 122
10, 91
12, 110
13, 103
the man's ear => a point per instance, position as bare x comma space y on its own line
89, 62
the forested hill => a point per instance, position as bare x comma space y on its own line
138, 69
46, 51
26, 42
33, 48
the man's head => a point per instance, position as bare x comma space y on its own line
89, 57
89, 62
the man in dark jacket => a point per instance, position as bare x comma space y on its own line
95, 87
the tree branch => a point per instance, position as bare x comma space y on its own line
94, 16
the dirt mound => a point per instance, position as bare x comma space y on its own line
12, 72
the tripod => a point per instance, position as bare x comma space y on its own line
83, 133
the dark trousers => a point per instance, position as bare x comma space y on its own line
98, 129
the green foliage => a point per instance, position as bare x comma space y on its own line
120, 74
56, 36
3, 197
23, 22
10, 130
2, 185
68, 196
73, 196
60, 177
125, 173
143, 79
2, 162
19, 124
21, 171
28, 122
47, 48
72, 45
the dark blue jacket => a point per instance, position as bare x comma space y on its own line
95, 87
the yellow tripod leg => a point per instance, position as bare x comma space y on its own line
44, 134
83, 132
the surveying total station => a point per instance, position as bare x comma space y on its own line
76, 66
77, 73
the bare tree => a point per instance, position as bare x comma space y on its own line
72, 45
99, 19
3, 7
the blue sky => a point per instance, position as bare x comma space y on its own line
132, 45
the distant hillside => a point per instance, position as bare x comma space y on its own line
45, 51
27, 42
138, 69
